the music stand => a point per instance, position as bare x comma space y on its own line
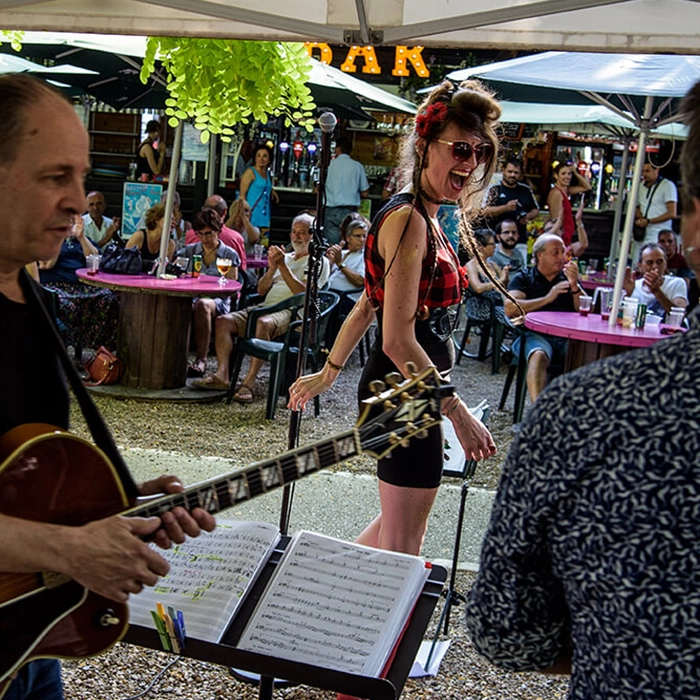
464, 469
269, 668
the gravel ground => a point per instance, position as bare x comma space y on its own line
195, 430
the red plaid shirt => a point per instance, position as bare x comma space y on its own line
440, 281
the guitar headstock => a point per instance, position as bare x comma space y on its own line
401, 411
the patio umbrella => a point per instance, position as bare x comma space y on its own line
643, 89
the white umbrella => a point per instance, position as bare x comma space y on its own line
642, 89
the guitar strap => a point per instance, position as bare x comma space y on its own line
98, 428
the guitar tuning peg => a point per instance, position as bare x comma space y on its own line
388, 406
405, 442
422, 434
412, 368
377, 386
393, 378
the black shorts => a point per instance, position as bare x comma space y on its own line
420, 464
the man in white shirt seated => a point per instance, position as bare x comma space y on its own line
655, 288
348, 264
285, 277
100, 228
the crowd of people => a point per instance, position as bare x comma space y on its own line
588, 566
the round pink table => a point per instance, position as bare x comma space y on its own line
256, 262
590, 338
154, 323
598, 279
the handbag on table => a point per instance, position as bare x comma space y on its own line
121, 261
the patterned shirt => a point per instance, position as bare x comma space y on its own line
595, 532
440, 283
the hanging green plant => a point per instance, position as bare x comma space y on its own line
219, 83
14, 37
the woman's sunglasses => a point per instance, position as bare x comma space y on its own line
463, 151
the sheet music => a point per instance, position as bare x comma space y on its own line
209, 576
335, 604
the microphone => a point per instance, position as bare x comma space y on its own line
327, 122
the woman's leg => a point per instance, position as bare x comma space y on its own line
403, 520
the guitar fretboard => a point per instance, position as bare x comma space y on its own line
226, 491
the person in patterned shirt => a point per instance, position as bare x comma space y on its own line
590, 563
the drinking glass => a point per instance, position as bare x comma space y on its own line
258, 251
675, 317
606, 299
584, 305
629, 313
93, 264
223, 265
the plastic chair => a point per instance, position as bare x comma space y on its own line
327, 306
518, 366
491, 328
347, 301
273, 351
518, 371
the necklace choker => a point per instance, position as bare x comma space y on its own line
431, 199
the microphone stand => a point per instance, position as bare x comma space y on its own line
317, 249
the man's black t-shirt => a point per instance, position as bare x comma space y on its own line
500, 194
535, 285
33, 385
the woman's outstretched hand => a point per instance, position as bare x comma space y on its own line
473, 436
305, 388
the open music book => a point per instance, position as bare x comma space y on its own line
209, 577
329, 603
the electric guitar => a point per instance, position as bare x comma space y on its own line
48, 475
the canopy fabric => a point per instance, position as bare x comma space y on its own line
578, 118
636, 26
115, 79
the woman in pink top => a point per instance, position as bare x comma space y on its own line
558, 198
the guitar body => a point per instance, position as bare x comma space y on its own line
48, 475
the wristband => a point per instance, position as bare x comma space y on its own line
576, 293
332, 365
456, 401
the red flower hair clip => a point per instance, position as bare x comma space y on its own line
431, 116
463, 277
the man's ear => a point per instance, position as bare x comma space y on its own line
690, 228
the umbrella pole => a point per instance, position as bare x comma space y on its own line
211, 180
172, 185
631, 207
621, 189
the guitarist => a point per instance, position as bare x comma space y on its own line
43, 162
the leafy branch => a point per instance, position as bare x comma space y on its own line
14, 37
220, 83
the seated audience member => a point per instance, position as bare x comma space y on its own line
228, 236
676, 263
147, 240
239, 220
483, 288
100, 228
285, 277
207, 225
348, 263
89, 314
655, 288
551, 285
506, 253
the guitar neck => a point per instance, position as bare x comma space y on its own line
226, 491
